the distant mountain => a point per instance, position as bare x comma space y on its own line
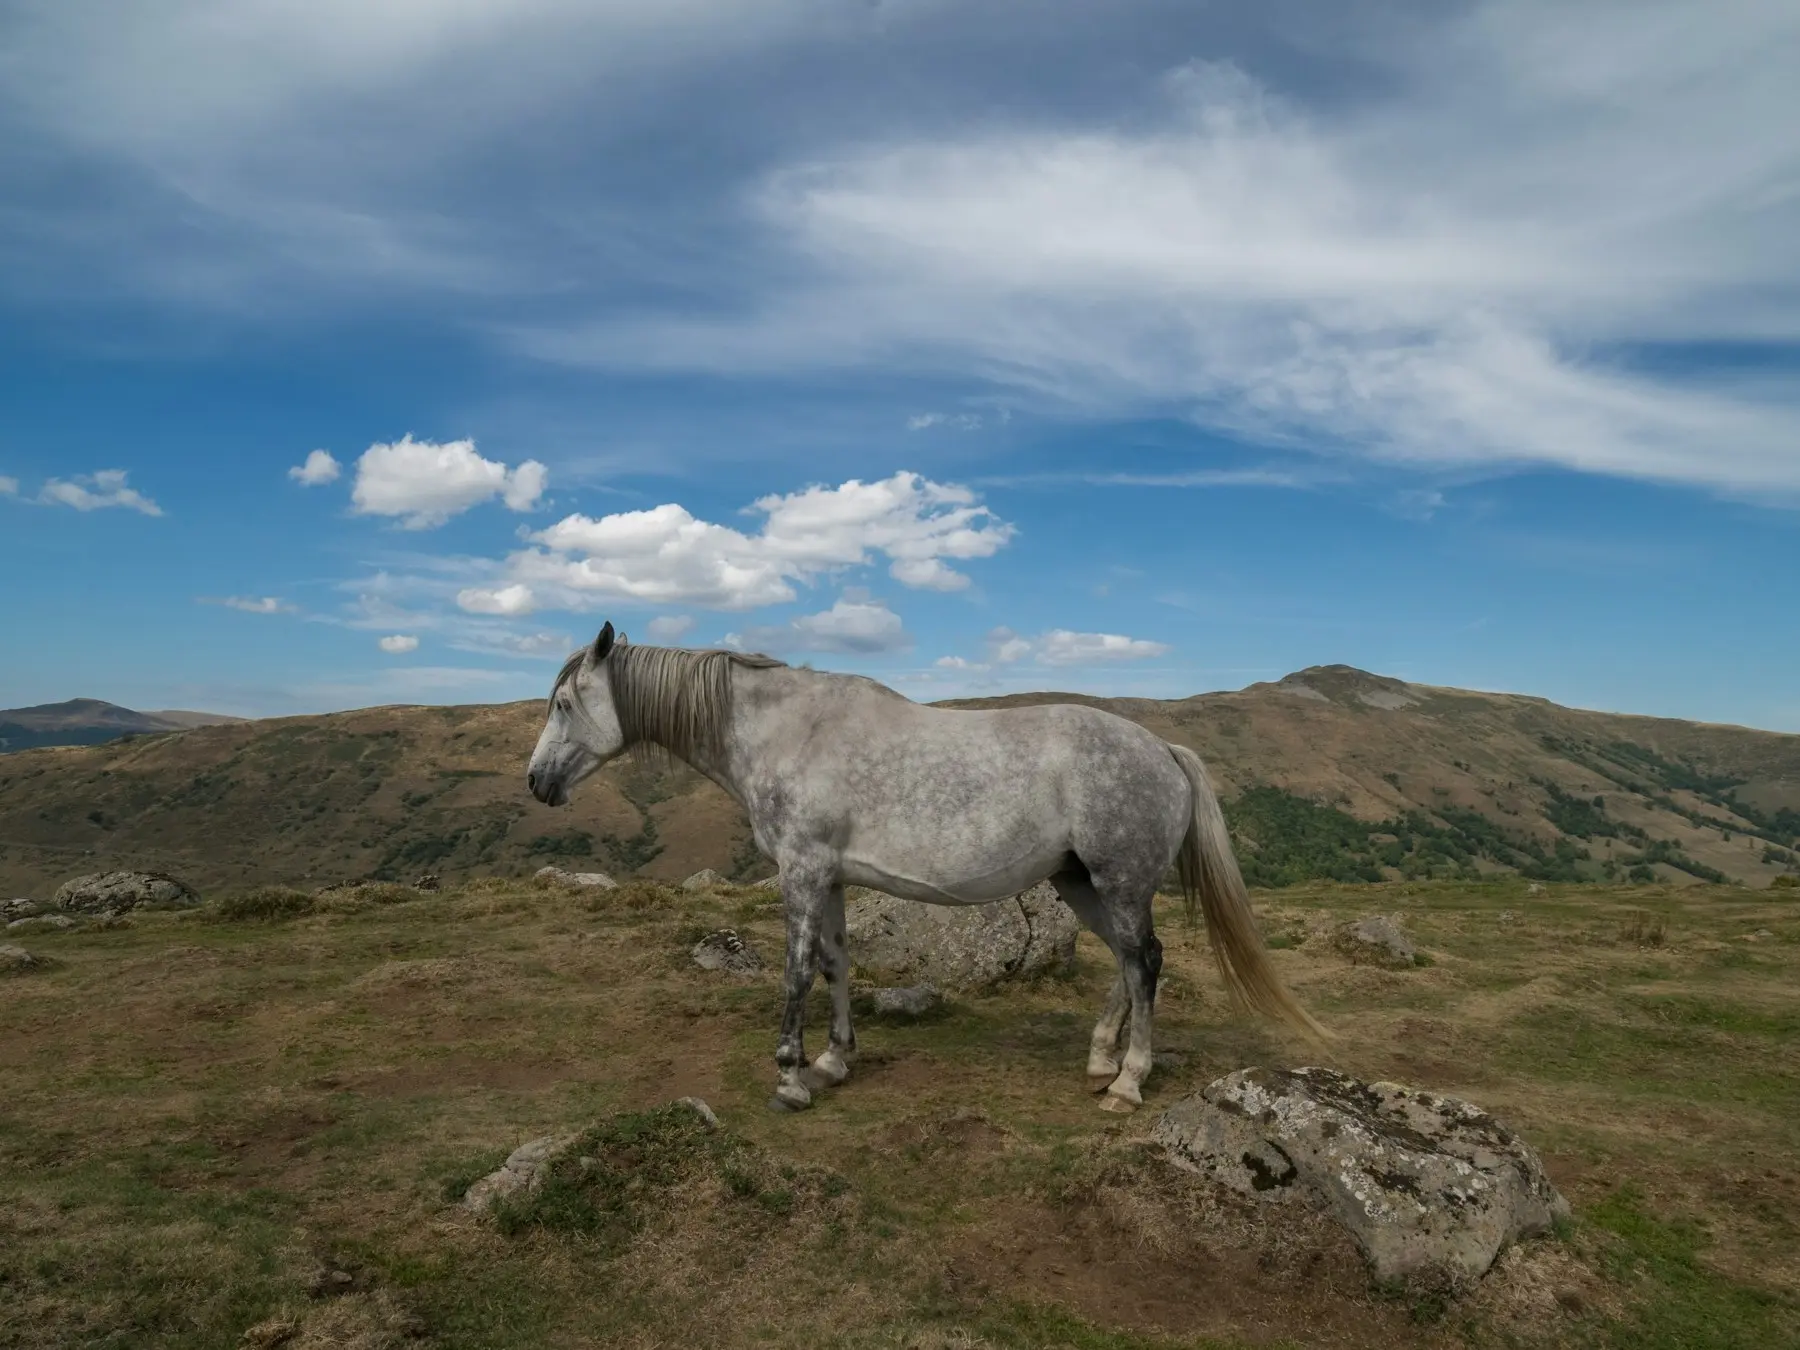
90, 721
1330, 772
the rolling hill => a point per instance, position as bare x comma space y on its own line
90, 721
1330, 772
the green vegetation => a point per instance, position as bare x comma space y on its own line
264, 903
570, 844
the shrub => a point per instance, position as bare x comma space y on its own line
264, 904
1788, 882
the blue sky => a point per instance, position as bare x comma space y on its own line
360, 354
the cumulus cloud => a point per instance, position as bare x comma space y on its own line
1058, 647
398, 644
251, 604
425, 483
320, 468
670, 628
96, 492
856, 625
508, 600
9, 487
666, 555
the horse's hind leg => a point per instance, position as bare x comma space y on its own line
1140, 962
806, 900
1079, 895
833, 1067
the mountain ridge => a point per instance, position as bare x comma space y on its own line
1328, 771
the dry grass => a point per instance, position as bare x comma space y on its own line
222, 1132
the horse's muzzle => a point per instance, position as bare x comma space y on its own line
546, 788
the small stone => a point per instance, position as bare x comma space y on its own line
725, 950
700, 1109
428, 882
1376, 940
1534, 889
768, 883
1760, 935
556, 876
521, 1171
40, 923
16, 960
914, 1002
267, 1335
1508, 917
704, 880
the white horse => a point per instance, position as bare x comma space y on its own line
846, 782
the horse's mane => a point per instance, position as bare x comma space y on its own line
669, 698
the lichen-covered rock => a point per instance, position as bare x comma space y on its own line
37, 923
705, 880
1377, 940
555, 876
1432, 1188
21, 908
726, 951
17, 961
116, 892
961, 946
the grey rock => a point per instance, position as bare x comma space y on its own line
556, 876
16, 960
116, 892
700, 1109
704, 880
41, 922
768, 883
1377, 940
20, 909
521, 1171
914, 1002
1431, 1188
725, 950
961, 946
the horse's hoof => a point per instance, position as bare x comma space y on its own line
827, 1072
1118, 1105
1099, 1082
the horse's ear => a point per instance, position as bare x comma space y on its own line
604, 643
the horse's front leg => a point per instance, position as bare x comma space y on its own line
806, 902
833, 1067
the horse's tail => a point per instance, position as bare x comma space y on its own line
1210, 876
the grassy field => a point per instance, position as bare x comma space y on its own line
251, 1124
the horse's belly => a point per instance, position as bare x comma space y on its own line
940, 881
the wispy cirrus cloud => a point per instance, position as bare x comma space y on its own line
98, 491
252, 604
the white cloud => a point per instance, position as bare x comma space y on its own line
1456, 266
855, 625
665, 555
96, 492
320, 468
1058, 647
508, 600
502, 643
958, 421
250, 604
9, 487
399, 643
427, 482
670, 628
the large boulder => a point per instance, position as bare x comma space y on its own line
116, 892
961, 946
1431, 1188
16, 960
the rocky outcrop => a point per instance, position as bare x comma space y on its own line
1432, 1188
117, 892
961, 946
726, 951
1377, 941
39, 922
705, 880
20, 909
555, 876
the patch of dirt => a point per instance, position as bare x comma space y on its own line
423, 1077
